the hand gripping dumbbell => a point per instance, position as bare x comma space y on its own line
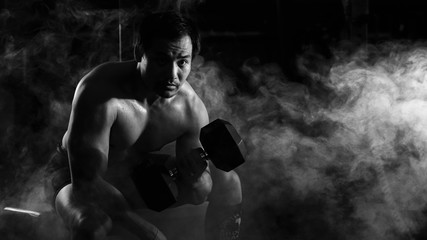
222, 145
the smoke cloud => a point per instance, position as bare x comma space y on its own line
339, 157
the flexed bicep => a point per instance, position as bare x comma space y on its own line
89, 131
189, 151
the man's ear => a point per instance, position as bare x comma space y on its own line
137, 52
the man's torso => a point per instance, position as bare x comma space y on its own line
140, 128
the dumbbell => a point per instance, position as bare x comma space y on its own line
222, 145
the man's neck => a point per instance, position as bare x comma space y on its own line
142, 91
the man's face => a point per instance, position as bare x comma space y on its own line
168, 63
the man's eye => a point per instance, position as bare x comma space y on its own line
182, 63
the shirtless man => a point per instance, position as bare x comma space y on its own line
123, 110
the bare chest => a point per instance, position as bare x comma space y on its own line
143, 129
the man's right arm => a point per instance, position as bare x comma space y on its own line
91, 119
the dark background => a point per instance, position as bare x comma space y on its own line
47, 46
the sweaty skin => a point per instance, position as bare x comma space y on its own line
119, 112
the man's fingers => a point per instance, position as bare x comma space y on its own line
193, 164
197, 161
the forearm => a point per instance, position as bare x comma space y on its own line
190, 189
195, 191
87, 165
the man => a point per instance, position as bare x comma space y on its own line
120, 112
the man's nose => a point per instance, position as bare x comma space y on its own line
173, 71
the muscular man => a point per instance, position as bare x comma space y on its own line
120, 112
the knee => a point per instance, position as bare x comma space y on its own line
233, 187
227, 188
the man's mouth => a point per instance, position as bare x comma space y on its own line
170, 86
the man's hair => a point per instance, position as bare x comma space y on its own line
165, 25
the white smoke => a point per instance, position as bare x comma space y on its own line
346, 163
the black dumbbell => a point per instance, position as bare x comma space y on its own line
222, 145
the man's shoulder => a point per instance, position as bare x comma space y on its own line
195, 109
105, 79
190, 97
100, 85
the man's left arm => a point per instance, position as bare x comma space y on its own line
194, 181
222, 189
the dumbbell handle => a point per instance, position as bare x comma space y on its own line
173, 173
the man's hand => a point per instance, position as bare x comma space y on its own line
90, 222
193, 165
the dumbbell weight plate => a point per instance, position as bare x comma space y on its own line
155, 186
223, 145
